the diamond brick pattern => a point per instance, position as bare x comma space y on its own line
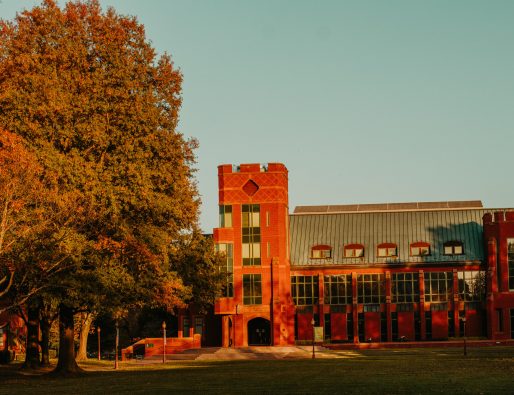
250, 188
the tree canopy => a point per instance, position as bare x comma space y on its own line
85, 94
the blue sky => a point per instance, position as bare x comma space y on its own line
363, 101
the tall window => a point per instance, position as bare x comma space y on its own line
321, 252
338, 289
438, 286
420, 249
304, 290
225, 216
385, 250
353, 251
251, 235
252, 289
471, 285
227, 251
453, 248
405, 287
510, 257
371, 288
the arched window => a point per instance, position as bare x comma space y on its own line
453, 247
387, 250
321, 252
353, 251
420, 248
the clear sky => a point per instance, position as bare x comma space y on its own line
363, 101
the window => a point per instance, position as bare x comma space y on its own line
510, 258
252, 291
499, 320
387, 250
251, 235
338, 289
227, 251
304, 290
453, 248
198, 325
353, 251
321, 252
405, 288
371, 288
471, 286
420, 249
225, 216
185, 327
438, 286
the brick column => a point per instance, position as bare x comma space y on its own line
355, 308
388, 307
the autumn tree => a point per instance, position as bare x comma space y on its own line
193, 257
87, 92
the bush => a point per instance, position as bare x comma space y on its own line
5, 357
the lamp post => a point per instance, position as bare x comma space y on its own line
463, 319
116, 346
98, 330
163, 341
313, 352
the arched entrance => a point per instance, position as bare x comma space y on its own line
259, 332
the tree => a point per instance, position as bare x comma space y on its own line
19, 198
86, 91
193, 257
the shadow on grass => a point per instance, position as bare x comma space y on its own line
369, 371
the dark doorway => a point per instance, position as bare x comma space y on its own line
212, 334
259, 332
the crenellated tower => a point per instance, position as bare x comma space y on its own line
253, 234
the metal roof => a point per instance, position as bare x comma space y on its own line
400, 227
414, 206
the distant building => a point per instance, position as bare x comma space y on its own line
364, 273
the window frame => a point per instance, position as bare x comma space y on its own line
453, 244
471, 278
227, 250
387, 247
354, 248
325, 251
251, 235
400, 283
510, 264
253, 281
374, 282
419, 245
305, 290
338, 289
225, 216
432, 278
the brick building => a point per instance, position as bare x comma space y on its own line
363, 273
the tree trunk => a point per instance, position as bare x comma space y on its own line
32, 347
66, 364
45, 341
86, 321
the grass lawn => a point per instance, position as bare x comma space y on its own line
484, 370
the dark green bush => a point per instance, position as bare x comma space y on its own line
5, 356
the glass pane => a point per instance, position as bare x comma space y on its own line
256, 250
246, 251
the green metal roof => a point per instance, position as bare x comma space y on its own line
435, 226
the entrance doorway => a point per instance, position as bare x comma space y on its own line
259, 332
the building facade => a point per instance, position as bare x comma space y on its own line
362, 273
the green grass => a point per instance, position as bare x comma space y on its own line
484, 370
